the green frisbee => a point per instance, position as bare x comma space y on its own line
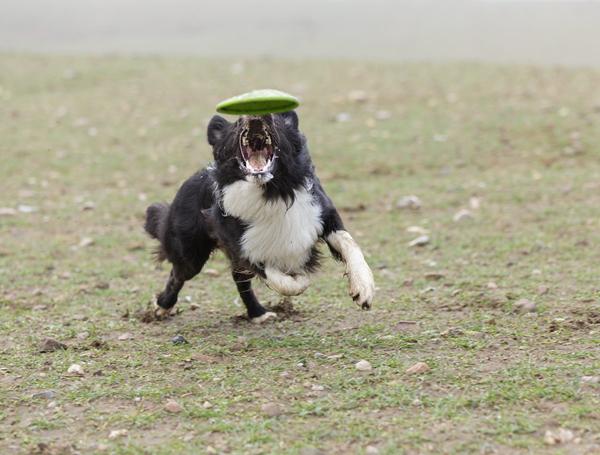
258, 102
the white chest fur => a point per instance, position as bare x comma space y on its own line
277, 235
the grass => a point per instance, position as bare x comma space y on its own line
89, 142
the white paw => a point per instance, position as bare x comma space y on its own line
264, 318
286, 285
361, 285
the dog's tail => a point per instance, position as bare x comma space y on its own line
156, 218
156, 222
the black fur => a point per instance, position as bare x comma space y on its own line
193, 225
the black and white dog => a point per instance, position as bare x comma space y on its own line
262, 204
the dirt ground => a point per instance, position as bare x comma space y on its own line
501, 301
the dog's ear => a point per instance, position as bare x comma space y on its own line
290, 119
216, 129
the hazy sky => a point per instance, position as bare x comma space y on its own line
533, 31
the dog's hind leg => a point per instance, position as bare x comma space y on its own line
256, 312
166, 300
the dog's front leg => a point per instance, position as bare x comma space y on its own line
360, 278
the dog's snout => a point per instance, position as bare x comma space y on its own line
255, 126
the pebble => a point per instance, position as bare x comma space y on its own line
411, 202
75, 370
317, 388
475, 203
543, 290
45, 394
179, 339
419, 241
590, 379
343, 117
492, 285
525, 306
363, 365
86, 241
417, 230
559, 436
383, 115
418, 368
211, 272
371, 450
272, 409
434, 276
114, 434
173, 406
207, 405
462, 215
358, 96
51, 345
125, 336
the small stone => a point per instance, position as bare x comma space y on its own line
358, 96
383, 115
7, 211
543, 290
371, 450
114, 434
207, 405
409, 202
419, 241
173, 407
125, 336
85, 242
363, 365
417, 230
40, 307
492, 285
194, 306
44, 394
418, 368
475, 203
462, 215
211, 272
88, 205
26, 208
343, 117
179, 339
317, 388
272, 409
75, 370
524, 306
434, 276
590, 379
51, 345
559, 436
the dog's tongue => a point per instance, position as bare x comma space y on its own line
258, 160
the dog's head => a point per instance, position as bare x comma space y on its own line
264, 149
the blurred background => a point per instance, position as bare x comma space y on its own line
509, 31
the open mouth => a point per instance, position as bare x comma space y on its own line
256, 147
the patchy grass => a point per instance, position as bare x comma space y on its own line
89, 142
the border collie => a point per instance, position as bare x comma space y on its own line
261, 203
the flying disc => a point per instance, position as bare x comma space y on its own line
259, 102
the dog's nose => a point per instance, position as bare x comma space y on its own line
255, 126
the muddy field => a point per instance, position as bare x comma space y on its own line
500, 301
